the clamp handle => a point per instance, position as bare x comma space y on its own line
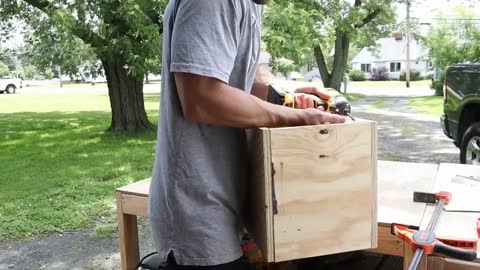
456, 253
456, 248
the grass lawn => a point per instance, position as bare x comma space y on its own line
432, 105
353, 96
389, 84
59, 167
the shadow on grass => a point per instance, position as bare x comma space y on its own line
59, 170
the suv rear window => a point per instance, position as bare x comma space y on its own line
455, 79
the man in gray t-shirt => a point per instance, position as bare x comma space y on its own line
209, 96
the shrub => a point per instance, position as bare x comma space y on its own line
4, 71
414, 75
356, 75
438, 86
379, 74
429, 76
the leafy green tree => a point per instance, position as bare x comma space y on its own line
304, 29
29, 72
454, 41
4, 71
123, 34
52, 47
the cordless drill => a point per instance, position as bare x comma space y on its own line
337, 103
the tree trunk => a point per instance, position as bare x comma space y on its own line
334, 79
126, 98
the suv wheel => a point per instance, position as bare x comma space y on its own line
11, 89
470, 148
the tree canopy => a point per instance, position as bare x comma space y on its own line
454, 41
124, 35
305, 29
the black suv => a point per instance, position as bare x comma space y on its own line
461, 121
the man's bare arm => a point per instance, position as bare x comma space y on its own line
210, 101
263, 78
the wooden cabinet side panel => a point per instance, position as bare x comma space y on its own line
259, 221
325, 187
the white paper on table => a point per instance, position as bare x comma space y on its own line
465, 191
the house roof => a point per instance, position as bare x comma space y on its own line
390, 49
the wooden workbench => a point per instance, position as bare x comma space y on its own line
396, 183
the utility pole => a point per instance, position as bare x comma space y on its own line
407, 73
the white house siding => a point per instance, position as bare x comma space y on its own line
389, 51
421, 66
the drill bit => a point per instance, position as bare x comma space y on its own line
351, 117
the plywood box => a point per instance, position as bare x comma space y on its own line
312, 189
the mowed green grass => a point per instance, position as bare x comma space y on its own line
432, 105
58, 166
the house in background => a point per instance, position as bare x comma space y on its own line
392, 55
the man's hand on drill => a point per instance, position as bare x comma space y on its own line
303, 100
315, 116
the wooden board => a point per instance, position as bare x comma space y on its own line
140, 188
388, 243
128, 236
396, 183
325, 185
453, 224
259, 219
135, 205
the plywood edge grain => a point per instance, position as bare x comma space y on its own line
374, 184
259, 215
269, 196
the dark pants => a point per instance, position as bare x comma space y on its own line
239, 264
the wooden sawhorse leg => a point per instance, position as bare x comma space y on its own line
128, 237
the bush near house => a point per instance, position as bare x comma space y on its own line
415, 75
438, 86
356, 75
380, 74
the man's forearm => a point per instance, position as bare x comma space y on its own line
210, 101
227, 106
263, 78
260, 90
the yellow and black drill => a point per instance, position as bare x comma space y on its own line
337, 103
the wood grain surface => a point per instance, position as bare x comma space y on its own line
326, 188
388, 243
140, 188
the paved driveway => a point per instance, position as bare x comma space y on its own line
404, 134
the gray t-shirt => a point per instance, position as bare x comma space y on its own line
198, 181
